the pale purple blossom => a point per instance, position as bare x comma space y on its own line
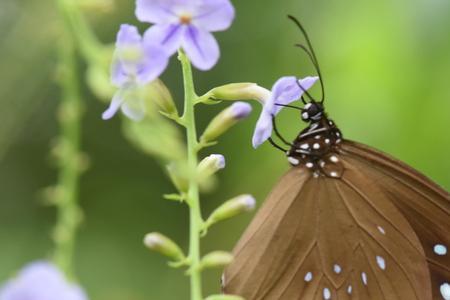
285, 91
187, 24
135, 64
41, 281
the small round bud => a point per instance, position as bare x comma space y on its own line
216, 259
162, 244
225, 120
232, 208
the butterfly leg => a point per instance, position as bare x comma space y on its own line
275, 129
277, 146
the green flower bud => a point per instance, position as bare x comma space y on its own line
224, 297
239, 91
210, 165
216, 259
159, 93
98, 81
162, 244
178, 176
231, 208
225, 120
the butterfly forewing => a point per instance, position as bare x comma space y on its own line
367, 235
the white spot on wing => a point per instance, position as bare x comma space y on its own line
316, 146
381, 229
309, 165
445, 291
440, 249
293, 160
349, 290
381, 263
364, 278
326, 294
337, 269
334, 159
334, 174
308, 277
327, 141
304, 146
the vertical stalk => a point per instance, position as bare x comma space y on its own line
193, 192
69, 117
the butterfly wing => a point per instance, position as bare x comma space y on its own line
347, 238
425, 205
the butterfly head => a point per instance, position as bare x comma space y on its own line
312, 112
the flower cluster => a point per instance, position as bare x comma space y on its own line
178, 24
41, 281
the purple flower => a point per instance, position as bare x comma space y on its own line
135, 64
187, 24
286, 90
41, 281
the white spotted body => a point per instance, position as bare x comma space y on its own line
316, 148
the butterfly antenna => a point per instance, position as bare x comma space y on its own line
311, 53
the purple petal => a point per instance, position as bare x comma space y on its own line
153, 65
263, 129
114, 106
118, 74
156, 11
201, 47
214, 15
287, 90
134, 108
128, 36
41, 281
169, 36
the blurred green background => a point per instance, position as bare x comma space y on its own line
386, 67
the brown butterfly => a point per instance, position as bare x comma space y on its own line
345, 222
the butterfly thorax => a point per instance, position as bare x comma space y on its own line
317, 148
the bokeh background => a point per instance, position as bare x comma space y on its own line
386, 67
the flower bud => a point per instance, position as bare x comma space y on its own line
178, 178
210, 165
232, 208
216, 259
159, 93
239, 91
162, 244
224, 297
99, 82
225, 120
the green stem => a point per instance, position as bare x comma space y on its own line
68, 150
193, 193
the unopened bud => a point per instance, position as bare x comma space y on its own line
98, 80
210, 165
162, 244
225, 120
160, 94
224, 297
232, 208
240, 91
216, 259
176, 175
